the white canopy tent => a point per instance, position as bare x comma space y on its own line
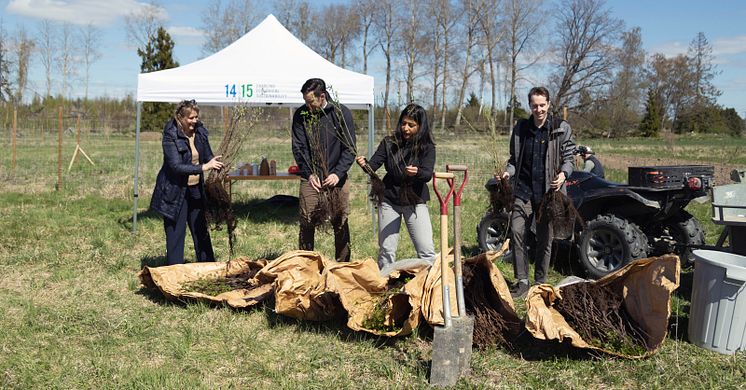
266, 66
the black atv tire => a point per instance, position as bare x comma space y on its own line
493, 230
686, 231
608, 242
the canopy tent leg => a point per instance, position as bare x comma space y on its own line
137, 167
371, 141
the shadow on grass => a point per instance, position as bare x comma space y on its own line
678, 322
279, 208
126, 222
527, 347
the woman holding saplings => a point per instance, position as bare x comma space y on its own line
409, 158
179, 194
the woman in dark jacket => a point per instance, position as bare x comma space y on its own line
409, 158
179, 194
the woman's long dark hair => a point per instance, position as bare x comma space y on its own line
424, 136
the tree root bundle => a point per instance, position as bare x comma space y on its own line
490, 326
501, 198
597, 313
219, 210
329, 207
557, 209
407, 196
376, 185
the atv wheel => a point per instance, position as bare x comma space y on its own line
685, 231
608, 243
493, 230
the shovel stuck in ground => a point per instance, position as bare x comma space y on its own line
452, 342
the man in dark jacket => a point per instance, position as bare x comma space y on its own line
590, 162
541, 159
323, 146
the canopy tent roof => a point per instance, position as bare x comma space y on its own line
268, 65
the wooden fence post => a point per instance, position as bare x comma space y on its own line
58, 187
13, 143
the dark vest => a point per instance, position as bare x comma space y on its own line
598, 169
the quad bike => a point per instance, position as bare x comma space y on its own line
623, 222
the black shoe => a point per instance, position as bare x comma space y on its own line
519, 290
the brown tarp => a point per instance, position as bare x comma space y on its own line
306, 285
646, 285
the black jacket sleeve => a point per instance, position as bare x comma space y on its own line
379, 157
346, 133
300, 144
427, 164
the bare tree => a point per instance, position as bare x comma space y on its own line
671, 81
90, 41
446, 21
366, 11
627, 89
298, 17
24, 46
5, 86
586, 32
703, 70
413, 38
226, 24
47, 32
68, 51
471, 11
143, 23
491, 25
521, 31
436, 53
340, 28
386, 29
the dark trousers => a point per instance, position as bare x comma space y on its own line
192, 214
309, 200
521, 219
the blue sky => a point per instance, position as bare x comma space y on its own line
667, 27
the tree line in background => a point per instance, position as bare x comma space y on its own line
458, 58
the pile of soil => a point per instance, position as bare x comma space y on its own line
598, 315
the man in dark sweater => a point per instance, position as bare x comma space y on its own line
541, 159
323, 146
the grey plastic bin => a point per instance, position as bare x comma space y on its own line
717, 319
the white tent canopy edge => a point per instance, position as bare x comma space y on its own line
267, 66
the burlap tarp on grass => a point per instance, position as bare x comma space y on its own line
305, 285
646, 286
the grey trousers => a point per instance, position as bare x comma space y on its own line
521, 219
417, 220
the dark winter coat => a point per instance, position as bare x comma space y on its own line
395, 160
322, 141
559, 155
171, 183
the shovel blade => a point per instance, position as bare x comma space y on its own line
452, 352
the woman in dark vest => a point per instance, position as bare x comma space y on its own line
179, 194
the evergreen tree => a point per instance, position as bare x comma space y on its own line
733, 122
650, 125
157, 55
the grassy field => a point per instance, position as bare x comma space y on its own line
73, 314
